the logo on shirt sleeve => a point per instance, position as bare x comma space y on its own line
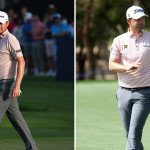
19, 50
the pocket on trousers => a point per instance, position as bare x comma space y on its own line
7, 90
118, 94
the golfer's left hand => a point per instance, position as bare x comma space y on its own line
16, 92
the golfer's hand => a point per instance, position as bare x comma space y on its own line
16, 92
133, 66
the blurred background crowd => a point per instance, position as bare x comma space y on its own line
38, 33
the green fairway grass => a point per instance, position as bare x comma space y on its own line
42, 145
48, 108
98, 123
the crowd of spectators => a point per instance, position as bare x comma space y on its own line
38, 38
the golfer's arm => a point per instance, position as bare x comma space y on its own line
115, 66
20, 70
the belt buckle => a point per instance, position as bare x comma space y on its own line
133, 89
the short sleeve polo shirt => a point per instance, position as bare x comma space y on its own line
9, 51
128, 50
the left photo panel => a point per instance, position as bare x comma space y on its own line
37, 74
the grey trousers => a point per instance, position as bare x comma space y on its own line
10, 106
134, 107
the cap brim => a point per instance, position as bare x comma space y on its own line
139, 16
2, 21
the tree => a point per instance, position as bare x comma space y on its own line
85, 32
99, 21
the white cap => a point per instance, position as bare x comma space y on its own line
28, 16
135, 12
3, 17
51, 6
57, 15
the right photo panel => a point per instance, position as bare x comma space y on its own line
112, 75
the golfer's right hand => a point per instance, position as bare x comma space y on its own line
16, 92
133, 66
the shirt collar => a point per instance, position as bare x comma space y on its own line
4, 34
132, 35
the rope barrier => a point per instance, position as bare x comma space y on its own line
81, 75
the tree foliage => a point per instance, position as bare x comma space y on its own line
107, 20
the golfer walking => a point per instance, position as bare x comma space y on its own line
130, 58
11, 73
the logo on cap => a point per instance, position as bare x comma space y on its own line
138, 10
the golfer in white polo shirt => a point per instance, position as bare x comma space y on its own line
130, 58
11, 73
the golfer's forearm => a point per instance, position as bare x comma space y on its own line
20, 73
114, 66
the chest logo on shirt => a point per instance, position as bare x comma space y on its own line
146, 44
125, 46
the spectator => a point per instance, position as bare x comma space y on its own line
27, 32
51, 9
71, 29
38, 45
49, 44
25, 13
12, 17
48, 20
64, 20
17, 31
58, 29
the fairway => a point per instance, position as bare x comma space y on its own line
42, 145
98, 123
48, 108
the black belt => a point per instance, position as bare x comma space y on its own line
6, 80
137, 88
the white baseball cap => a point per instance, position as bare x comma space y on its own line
57, 15
3, 17
28, 16
135, 12
51, 6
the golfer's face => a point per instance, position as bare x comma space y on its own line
3, 27
138, 24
